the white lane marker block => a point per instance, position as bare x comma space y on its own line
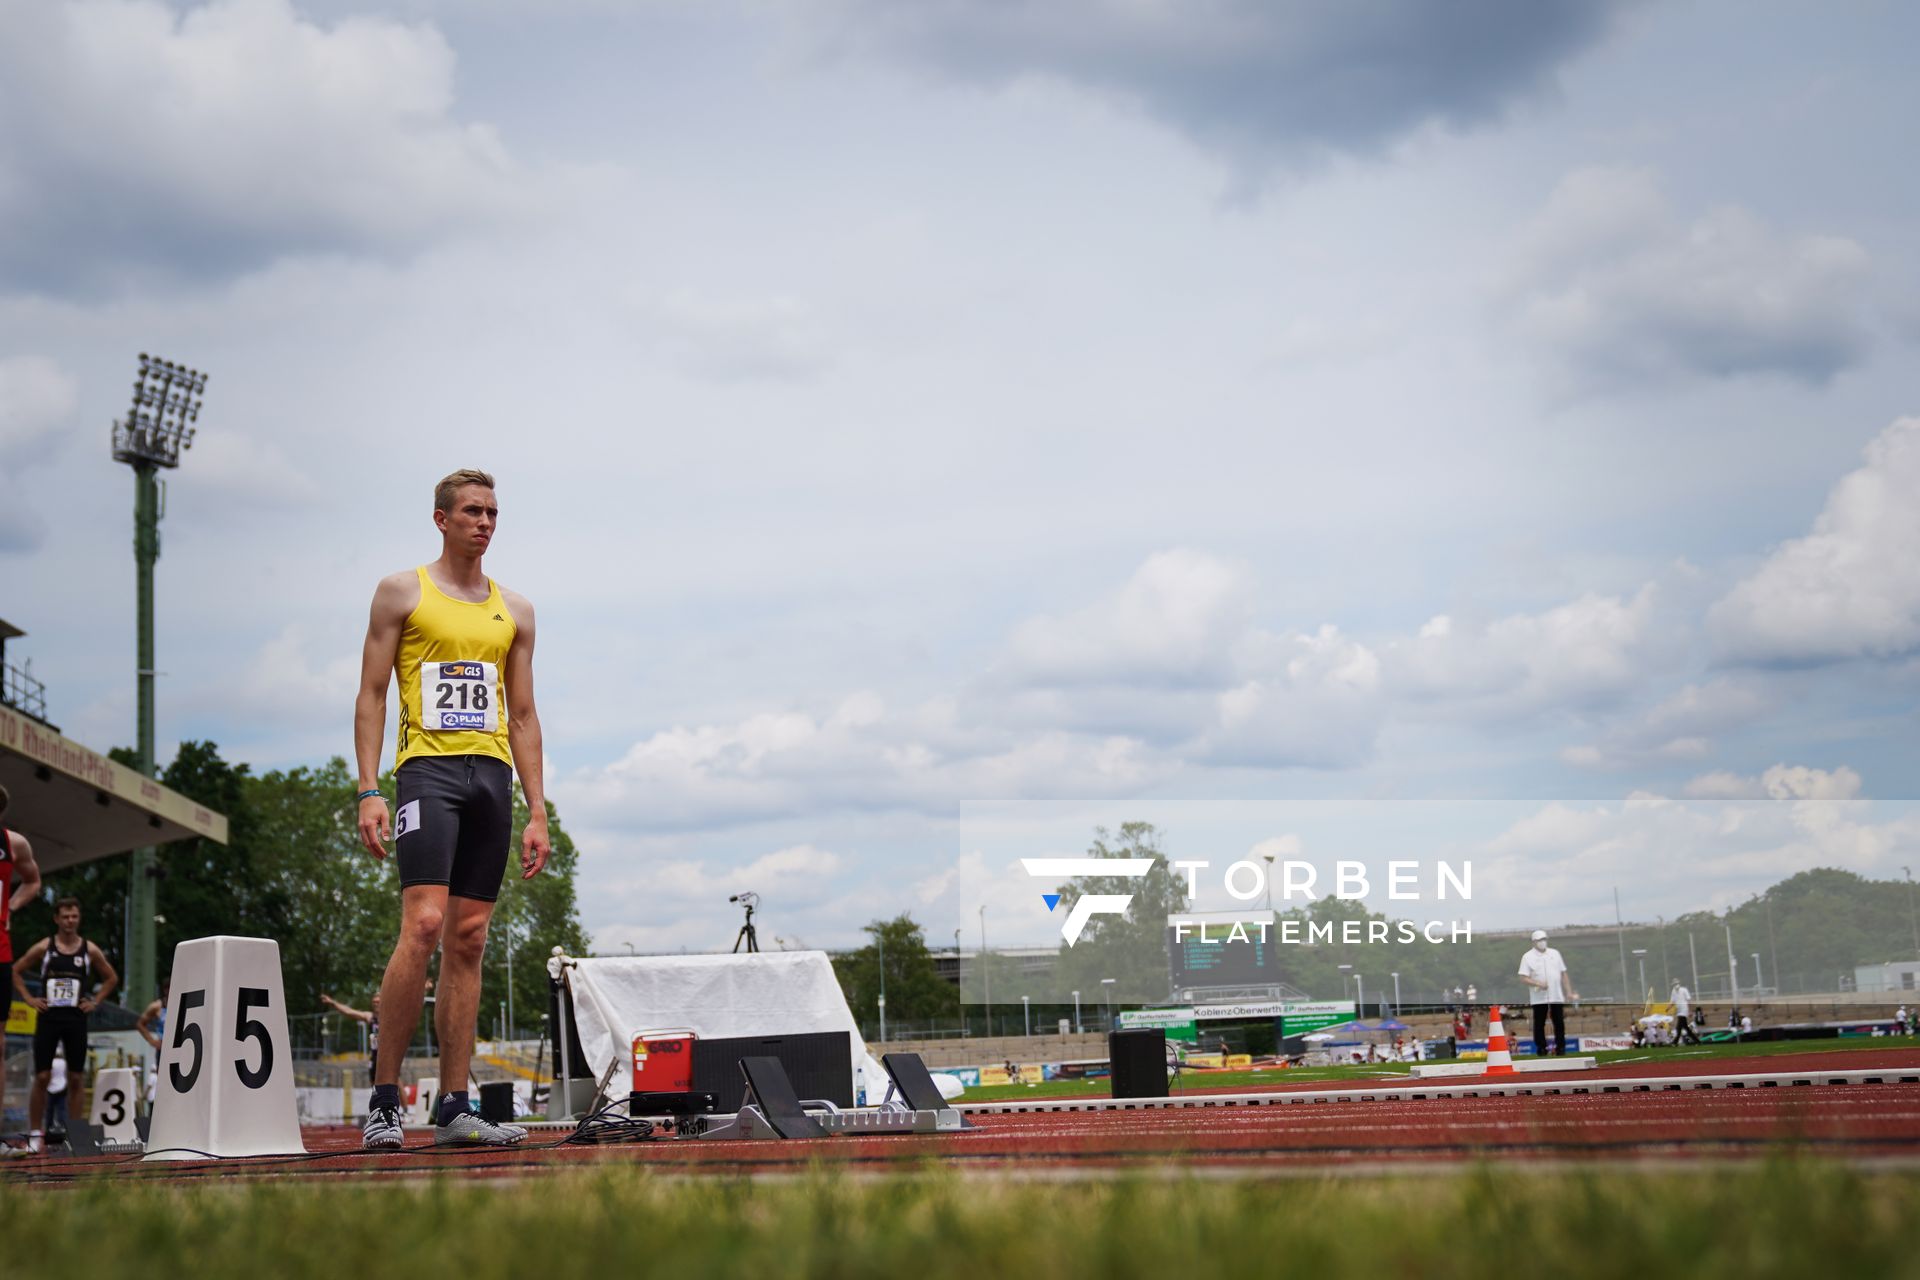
226, 1073
116, 1090
429, 1087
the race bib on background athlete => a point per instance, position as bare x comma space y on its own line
460, 695
63, 993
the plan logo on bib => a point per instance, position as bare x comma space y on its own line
1087, 905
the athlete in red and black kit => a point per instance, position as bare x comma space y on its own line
16, 864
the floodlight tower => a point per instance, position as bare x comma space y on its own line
159, 424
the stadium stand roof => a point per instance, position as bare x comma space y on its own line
76, 805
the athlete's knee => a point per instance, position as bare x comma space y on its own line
43, 1078
420, 930
467, 939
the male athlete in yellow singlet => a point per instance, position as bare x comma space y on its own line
463, 647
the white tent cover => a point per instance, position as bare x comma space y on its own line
765, 994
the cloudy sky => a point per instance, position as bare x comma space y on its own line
1482, 431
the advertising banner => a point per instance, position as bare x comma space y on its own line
22, 1019
1241, 1009
1298, 1017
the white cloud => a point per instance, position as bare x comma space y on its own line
1167, 674
1620, 292
1678, 728
1257, 82
1723, 836
780, 870
37, 401
1722, 784
37, 397
774, 339
1278, 848
1314, 702
235, 468
1173, 624
684, 902
860, 757
1174, 658
955, 891
1851, 587
138, 141
1587, 652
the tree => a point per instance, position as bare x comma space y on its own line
1131, 949
293, 869
541, 914
341, 905
915, 990
206, 887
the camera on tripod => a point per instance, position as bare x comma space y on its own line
748, 934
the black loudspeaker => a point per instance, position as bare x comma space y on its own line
496, 1102
820, 1064
1139, 1059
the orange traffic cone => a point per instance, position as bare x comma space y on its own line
1499, 1059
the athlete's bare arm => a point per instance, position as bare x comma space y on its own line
393, 600
26, 869
110, 979
358, 1015
523, 735
145, 1025
20, 968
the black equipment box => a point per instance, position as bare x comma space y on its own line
820, 1064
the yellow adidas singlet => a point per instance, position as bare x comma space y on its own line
452, 701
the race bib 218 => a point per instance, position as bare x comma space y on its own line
460, 695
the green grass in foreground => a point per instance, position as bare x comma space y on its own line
1784, 1218
1709, 1056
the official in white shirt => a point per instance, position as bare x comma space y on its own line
1683, 1032
1545, 972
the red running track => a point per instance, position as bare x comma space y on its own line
1844, 1121
1657, 1062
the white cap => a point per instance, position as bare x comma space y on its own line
1539, 935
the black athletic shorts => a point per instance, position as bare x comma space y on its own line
58, 1027
453, 823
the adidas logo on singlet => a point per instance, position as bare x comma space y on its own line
498, 618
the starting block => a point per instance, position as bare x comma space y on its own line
901, 1121
773, 1110
907, 1076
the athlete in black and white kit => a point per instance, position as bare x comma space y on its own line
67, 965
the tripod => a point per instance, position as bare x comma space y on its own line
748, 934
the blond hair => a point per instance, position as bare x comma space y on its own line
444, 491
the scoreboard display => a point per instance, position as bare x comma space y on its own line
1222, 949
